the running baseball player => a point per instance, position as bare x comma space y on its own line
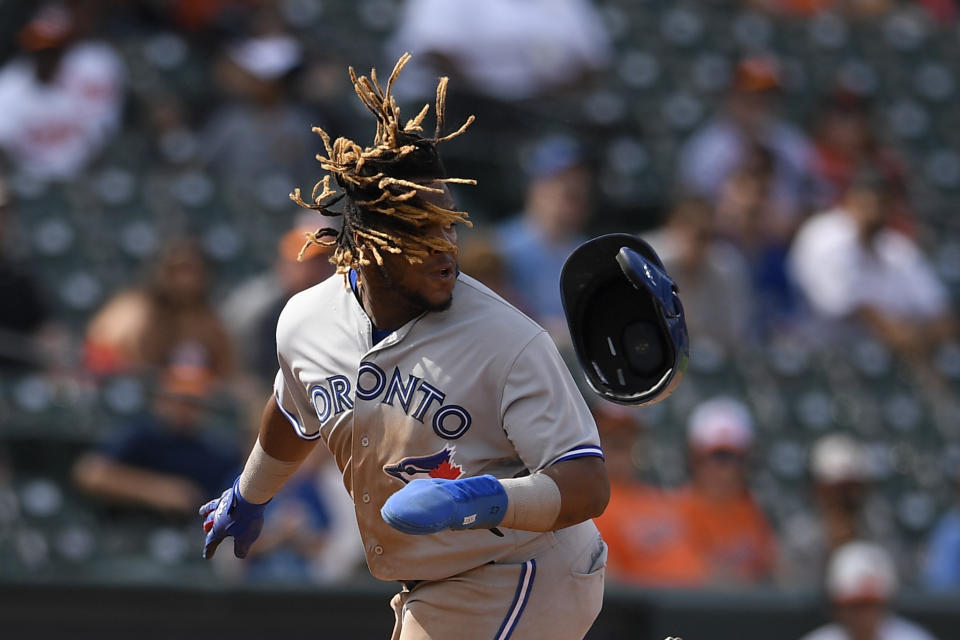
472, 460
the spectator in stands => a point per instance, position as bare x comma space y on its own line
258, 134
727, 527
516, 62
168, 319
711, 273
647, 537
941, 569
843, 510
252, 309
167, 460
61, 98
537, 241
853, 268
861, 584
746, 219
748, 121
24, 312
845, 140
502, 49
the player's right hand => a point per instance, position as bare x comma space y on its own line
231, 515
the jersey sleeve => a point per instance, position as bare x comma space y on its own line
292, 398
544, 413
295, 405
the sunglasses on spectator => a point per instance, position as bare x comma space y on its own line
726, 456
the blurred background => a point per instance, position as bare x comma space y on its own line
794, 162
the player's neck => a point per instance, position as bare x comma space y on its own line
386, 306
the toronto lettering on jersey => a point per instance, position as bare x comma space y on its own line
413, 394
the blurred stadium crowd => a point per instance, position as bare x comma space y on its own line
795, 163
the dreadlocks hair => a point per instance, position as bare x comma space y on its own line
381, 184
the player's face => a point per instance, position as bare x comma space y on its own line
423, 286
428, 284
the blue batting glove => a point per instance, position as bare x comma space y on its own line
231, 515
432, 505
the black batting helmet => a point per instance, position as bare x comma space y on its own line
625, 319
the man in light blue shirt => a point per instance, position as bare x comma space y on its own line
536, 242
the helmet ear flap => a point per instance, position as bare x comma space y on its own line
625, 319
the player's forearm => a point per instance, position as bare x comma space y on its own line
276, 455
533, 502
560, 496
278, 438
584, 489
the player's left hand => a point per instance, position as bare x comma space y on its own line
231, 515
432, 505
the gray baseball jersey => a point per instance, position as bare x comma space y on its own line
476, 389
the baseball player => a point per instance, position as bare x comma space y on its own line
473, 462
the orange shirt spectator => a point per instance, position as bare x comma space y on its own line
648, 538
725, 524
732, 537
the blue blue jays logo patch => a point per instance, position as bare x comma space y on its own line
435, 465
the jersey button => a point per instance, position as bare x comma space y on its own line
364, 441
365, 497
378, 550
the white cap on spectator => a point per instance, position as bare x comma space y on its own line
267, 58
861, 572
721, 423
837, 458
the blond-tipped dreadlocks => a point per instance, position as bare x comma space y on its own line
382, 211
